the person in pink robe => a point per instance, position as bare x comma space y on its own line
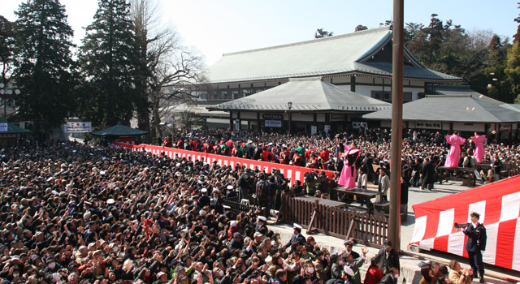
348, 174
479, 146
452, 161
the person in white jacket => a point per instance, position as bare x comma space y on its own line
362, 179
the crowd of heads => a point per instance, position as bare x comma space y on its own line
322, 151
73, 213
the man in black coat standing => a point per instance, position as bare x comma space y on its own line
388, 258
476, 244
427, 174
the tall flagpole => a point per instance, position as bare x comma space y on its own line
394, 229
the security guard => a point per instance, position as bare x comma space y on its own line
476, 244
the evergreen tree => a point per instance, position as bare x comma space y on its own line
6, 49
107, 62
513, 64
44, 63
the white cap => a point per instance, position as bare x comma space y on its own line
204, 190
348, 270
233, 223
55, 192
270, 144
215, 189
229, 187
102, 173
262, 218
111, 201
297, 226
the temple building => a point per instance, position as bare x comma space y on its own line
355, 71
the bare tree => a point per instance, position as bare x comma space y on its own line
171, 70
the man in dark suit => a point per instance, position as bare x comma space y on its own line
297, 236
388, 258
427, 174
476, 244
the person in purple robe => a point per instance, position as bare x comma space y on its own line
479, 146
452, 161
348, 174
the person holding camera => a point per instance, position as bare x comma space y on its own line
458, 275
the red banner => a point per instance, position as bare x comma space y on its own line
499, 206
291, 172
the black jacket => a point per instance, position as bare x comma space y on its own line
477, 238
388, 260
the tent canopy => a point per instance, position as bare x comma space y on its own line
119, 130
499, 206
13, 128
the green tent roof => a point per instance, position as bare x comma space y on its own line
13, 128
119, 130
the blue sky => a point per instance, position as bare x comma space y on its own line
215, 27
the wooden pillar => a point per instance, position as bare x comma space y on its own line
230, 120
451, 127
353, 83
239, 121
394, 222
258, 121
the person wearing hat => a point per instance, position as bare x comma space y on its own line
355, 264
297, 236
217, 202
476, 244
336, 266
204, 199
348, 249
459, 276
388, 258
260, 223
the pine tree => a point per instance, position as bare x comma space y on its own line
6, 49
513, 63
106, 60
44, 63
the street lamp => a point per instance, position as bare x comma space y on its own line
7, 92
289, 105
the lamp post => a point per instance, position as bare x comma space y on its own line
7, 91
289, 105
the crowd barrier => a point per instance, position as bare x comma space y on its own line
291, 172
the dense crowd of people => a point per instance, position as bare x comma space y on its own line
81, 214
324, 151
75, 213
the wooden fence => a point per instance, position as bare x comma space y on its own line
337, 222
235, 206
509, 169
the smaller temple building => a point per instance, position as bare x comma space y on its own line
302, 105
